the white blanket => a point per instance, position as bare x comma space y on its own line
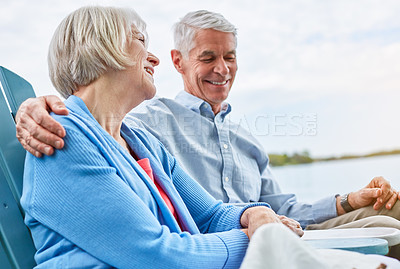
274, 246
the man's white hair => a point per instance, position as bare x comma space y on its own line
186, 28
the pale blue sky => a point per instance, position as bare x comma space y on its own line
322, 76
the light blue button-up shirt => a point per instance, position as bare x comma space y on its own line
222, 156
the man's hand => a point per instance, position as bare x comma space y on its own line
292, 225
37, 131
254, 217
377, 193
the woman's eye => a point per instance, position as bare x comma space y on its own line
140, 37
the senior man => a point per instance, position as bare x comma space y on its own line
226, 159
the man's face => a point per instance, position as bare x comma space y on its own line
209, 70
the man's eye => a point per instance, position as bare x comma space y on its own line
207, 60
230, 58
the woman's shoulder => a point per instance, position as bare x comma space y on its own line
67, 121
77, 129
79, 118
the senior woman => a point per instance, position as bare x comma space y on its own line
113, 196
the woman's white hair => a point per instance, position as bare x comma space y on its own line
187, 27
89, 41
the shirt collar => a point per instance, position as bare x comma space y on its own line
200, 106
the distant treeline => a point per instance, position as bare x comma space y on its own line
304, 157
285, 159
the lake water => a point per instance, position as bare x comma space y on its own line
317, 180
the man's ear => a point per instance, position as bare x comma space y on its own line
177, 60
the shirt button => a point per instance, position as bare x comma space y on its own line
205, 106
226, 179
225, 146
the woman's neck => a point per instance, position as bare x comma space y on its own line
108, 105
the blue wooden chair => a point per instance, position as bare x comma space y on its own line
17, 248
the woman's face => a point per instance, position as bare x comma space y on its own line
141, 72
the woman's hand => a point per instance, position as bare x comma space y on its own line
253, 217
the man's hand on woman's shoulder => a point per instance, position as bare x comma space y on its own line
37, 131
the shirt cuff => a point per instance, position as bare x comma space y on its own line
324, 209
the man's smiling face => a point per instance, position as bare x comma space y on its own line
209, 70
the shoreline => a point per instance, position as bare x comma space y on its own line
304, 158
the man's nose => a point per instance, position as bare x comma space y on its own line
221, 67
153, 59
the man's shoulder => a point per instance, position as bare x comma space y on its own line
158, 107
159, 103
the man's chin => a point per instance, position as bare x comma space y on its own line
151, 94
218, 99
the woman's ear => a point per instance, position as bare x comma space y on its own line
177, 60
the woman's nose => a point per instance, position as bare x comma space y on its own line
153, 59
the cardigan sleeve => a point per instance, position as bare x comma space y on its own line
209, 214
77, 194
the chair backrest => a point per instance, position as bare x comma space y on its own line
15, 90
17, 248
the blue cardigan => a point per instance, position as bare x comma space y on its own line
90, 205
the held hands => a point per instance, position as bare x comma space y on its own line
254, 217
37, 131
292, 225
377, 193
